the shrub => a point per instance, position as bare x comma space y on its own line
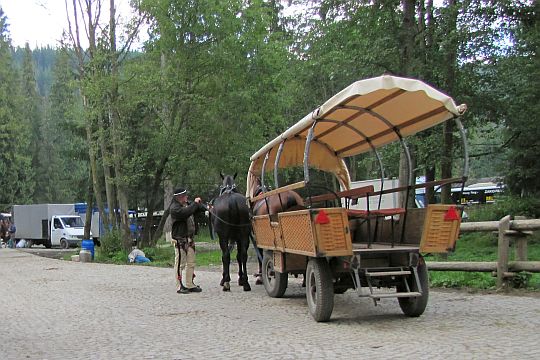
111, 243
506, 205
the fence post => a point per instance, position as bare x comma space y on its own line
503, 249
520, 242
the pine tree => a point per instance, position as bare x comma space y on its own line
32, 110
15, 166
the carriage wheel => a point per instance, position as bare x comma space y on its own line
415, 306
319, 289
274, 282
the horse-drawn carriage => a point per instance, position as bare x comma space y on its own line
338, 245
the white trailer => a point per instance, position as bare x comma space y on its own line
48, 224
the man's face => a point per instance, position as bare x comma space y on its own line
182, 198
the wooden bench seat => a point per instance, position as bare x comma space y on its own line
349, 194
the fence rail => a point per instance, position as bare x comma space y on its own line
507, 230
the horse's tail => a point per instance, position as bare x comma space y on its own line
234, 213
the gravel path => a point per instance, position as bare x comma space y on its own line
53, 309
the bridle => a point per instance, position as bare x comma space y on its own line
227, 189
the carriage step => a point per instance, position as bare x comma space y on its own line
388, 273
395, 295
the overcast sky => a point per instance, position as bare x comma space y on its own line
39, 22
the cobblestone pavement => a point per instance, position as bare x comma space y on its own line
53, 309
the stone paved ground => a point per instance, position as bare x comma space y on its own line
53, 309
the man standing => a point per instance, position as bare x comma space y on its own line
183, 232
11, 232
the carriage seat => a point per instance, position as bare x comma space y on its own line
375, 213
348, 195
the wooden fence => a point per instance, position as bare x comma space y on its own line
507, 229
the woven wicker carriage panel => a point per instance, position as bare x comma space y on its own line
264, 233
439, 235
333, 238
297, 232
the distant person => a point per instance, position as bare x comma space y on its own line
12, 229
183, 232
4, 230
137, 256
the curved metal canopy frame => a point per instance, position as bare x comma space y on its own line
384, 99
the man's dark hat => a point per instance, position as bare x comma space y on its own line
180, 191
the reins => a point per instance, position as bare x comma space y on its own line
229, 189
228, 223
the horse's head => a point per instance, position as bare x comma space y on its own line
228, 185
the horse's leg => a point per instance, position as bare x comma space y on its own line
258, 280
242, 261
225, 260
239, 260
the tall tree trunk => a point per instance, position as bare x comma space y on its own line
110, 192
430, 191
165, 224
89, 207
115, 127
407, 34
148, 239
448, 131
96, 184
407, 68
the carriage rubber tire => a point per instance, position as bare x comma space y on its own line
319, 289
64, 244
416, 306
276, 284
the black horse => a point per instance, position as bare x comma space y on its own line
230, 218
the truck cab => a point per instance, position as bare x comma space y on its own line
66, 230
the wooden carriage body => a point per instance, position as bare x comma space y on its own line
339, 247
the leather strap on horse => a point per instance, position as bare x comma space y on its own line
257, 250
178, 272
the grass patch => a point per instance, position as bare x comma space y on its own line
163, 254
481, 246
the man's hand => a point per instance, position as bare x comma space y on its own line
197, 200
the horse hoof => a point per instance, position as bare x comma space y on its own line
247, 287
226, 286
221, 282
240, 282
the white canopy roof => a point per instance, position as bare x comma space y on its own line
367, 114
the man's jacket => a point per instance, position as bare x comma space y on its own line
183, 225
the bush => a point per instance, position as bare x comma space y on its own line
111, 243
506, 205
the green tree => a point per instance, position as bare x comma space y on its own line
64, 148
519, 93
15, 164
32, 116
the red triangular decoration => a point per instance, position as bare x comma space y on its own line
322, 218
451, 214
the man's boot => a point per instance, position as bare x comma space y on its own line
183, 289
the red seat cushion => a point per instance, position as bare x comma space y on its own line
357, 213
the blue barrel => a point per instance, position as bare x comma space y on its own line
88, 245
